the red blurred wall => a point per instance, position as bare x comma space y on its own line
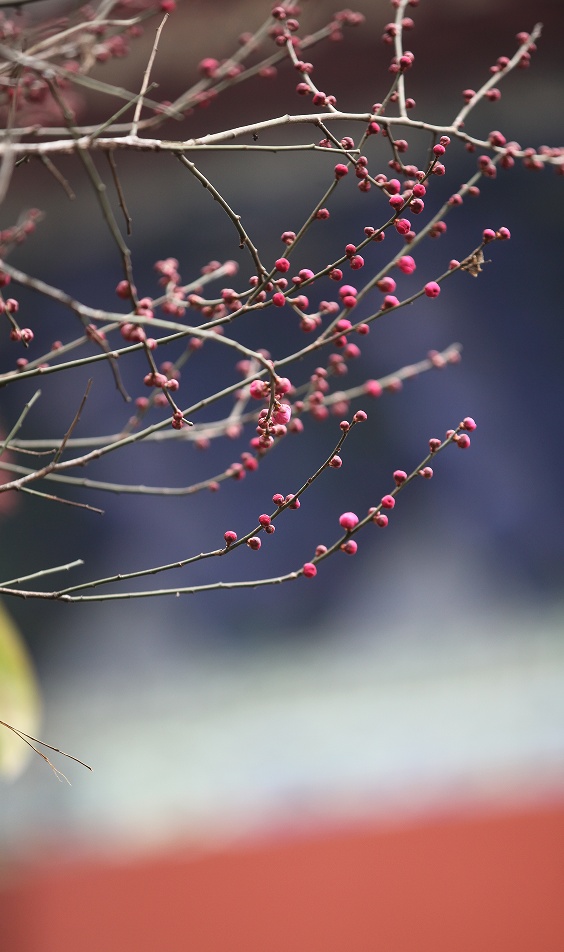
491, 882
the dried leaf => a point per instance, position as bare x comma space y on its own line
473, 264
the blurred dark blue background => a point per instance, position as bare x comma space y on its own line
497, 506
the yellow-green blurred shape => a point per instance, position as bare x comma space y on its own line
19, 698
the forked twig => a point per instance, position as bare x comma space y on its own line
28, 738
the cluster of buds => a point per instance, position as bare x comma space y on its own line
272, 422
268, 403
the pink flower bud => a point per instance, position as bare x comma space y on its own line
258, 389
406, 264
387, 285
208, 66
282, 414
402, 226
348, 520
373, 388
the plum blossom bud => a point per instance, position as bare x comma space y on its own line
282, 413
348, 520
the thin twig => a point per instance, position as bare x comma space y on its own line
236, 219
74, 423
145, 83
49, 497
497, 77
42, 572
58, 176
119, 191
27, 738
19, 422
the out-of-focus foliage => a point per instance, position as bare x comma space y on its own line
19, 700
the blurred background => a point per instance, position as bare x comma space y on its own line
373, 759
